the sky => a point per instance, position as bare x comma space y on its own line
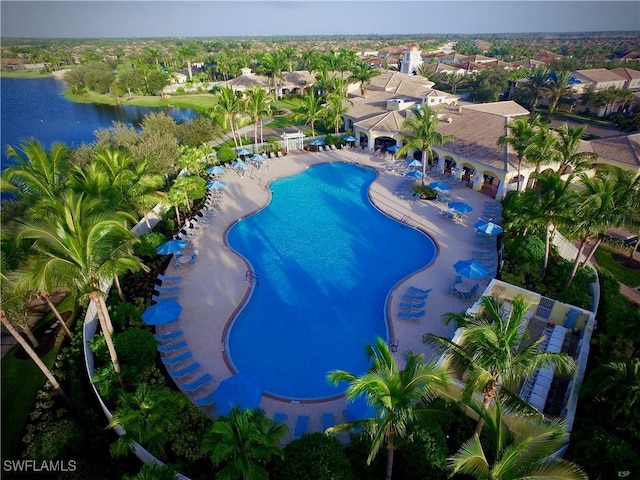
153, 18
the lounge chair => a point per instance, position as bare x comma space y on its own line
328, 421
198, 383
183, 372
411, 306
412, 289
416, 294
158, 299
407, 297
416, 314
175, 360
302, 426
172, 347
167, 279
206, 400
163, 337
173, 289
279, 154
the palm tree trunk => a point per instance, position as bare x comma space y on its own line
592, 252
147, 222
547, 247
52, 307
102, 318
116, 282
177, 214
255, 137
425, 159
519, 165
485, 406
186, 197
389, 460
34, 356
32, 338
576, 264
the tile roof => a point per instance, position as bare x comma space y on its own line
624, 149
386, 122
627, 73
598, 75
505, 109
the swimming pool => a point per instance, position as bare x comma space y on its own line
326, 260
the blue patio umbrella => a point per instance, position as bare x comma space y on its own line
349, 138
216, 185
170, 247
440, 186
317, 142
415, 174
393, 148
216, 170
470, 269
358, 409
415, 163
239, 164
244, 151
460, 207
258, 157
488, 228
241, 390
163, 312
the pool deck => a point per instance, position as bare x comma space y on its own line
214, 289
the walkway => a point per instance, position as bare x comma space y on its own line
215, 287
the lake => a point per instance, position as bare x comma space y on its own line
35, 108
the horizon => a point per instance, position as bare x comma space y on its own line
309, 18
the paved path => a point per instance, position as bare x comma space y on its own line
213, 289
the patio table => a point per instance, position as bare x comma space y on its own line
463, 287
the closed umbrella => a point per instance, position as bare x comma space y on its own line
488, 228
241, 390
171, 247
470, 269
163, 312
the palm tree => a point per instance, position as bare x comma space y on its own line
558, 88
191, 187
454, 80
289, 55
186, 52
81, 247
258, 106
38, 173
393, 392
568, 144
335, 109
274, 63
243, 442
324, 80
519, 136
229, 105
146, 416
537, 85
422, 135
490, 356
311, 110
523, 449
362, 73
542, 149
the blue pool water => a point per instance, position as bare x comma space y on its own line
326, 260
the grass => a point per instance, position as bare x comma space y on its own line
201, 102
628, 276
283, 121
21, 381
24, 73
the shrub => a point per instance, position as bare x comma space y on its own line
331, 140
186, 435
148, 244
424, 456
125, 314
226, 154
314, 457
56, 439
425, 192
136, 348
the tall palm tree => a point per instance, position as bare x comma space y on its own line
243, 442
490, 356
519, 136
362, 73
522, 449
82, 247
39, 173
274, 64
556, 204
393, 393
290, 56
568, 144
324, 79
258, 106
146, 416
542, 149
187, 52
335, 109
230, 106
537, 85
558, 88
311, 110
454, 80
421, 134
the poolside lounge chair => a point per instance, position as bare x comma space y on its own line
175, 360
167, 279
157, 298
328, 421
205, 401
198, 383
302, 426
163, 337
413, 315
423, 291
173, 289
411, 306
417, 294
183, 372
172, 347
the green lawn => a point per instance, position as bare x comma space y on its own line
24, 73
283, 121
21, 380
626, 275
201, 102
